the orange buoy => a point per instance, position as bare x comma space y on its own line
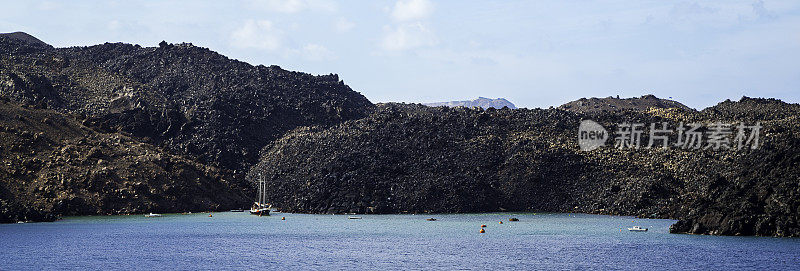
501, 222
483, 226
483, 231
209, 215
283, 218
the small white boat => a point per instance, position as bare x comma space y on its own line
152, 215
637, 228
353, 217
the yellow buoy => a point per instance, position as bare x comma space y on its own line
209, 215
501, 222
483, 231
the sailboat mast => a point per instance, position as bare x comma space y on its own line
260, 192
263, 192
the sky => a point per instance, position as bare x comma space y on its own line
533, 53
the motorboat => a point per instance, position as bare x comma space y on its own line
353, 217
152, 215
637, 228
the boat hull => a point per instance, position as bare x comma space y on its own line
260, 212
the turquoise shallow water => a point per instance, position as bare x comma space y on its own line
243, 241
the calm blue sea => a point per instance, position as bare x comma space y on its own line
244, 242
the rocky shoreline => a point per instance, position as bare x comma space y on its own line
410, 158
120, 129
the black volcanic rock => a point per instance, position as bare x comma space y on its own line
20, 43
54, 166
410, 158
25, 38
612, 104
205, 116
118, 128
188, 99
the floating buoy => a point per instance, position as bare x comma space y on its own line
209, 215
513, 219
483, 226
483, 231
283, 218
501, 222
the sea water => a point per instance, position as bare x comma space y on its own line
242, 241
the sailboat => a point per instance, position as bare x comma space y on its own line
260, 207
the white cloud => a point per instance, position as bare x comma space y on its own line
257, 34
685, 10
409, 30
407, 36
343, 25
316, 52
761, 11
294, 6
409, 10
114, 25
49, 5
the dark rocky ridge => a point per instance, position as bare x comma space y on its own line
187, 99
53, 166
611, 104
25, 38
175, 127
410, 158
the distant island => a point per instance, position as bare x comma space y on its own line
119, 128
481, 102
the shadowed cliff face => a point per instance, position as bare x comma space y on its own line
410, 158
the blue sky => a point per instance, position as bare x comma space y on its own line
534, 53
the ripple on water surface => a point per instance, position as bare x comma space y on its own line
242, 241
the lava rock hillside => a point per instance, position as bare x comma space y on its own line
411, 158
